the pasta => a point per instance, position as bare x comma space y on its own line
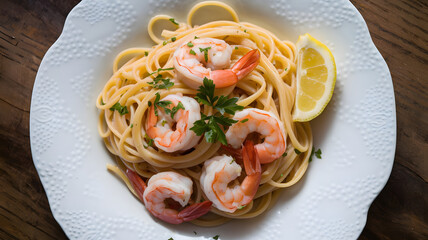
126, 99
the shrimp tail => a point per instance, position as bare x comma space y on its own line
246, 64
229, 77
137, 183
194, 211
235, 153
253, 169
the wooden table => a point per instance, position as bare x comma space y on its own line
399, 29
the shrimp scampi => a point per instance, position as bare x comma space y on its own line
210, 58
270, 128
160, 126
165, 194
220, 171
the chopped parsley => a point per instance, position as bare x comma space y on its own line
216, 237
132, 125
245, 30
318, 153
157, 103
165, 42
173, 39
190, 44
244, 120
148, 140
146, 53
210, 125
192, 52
121, 109
236, 48
102, 102
173, 21
285, 69
297, 151
282, 174
160, 70
241, 207
170, 238
175, 109
284, 154
232, 161
164, 122
161, 83
205, 50
195, 232
196, 37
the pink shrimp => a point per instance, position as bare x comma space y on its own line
219, 171
267, 125
210, 57
173, 189
160, 128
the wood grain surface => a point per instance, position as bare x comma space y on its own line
399, 29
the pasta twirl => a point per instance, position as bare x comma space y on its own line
124, 108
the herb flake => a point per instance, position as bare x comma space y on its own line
160, 70
205, 50
190, 44
173, 21
297, 151
121, 109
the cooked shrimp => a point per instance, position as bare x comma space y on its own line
210, 57
219, 171
164, 187
267, 125
161, 128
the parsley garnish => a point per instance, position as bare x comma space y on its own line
175, 109
132, 125
232, 161
318, 153
190, 44
236, 48
196, 37
146, 53
297, 151
241, 207
244, 120
195, 232
148, 140
210, 125
245, 30
164, 122
216, 237
102, 102
285, 69
170, 238
192, 52
121, 109
157, 103
205, 50
161, 69
284, 154
165, 42
166, 83
173, 21
173, 39
282, 174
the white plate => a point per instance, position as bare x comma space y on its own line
356, 133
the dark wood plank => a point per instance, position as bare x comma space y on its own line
398, 28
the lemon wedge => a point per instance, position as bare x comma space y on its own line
316, 77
